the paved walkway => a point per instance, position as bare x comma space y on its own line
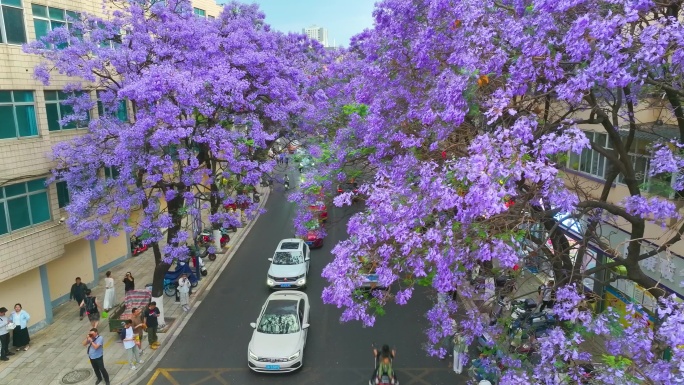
57, 357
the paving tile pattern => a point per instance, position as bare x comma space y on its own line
57, 350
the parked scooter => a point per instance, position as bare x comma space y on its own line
137, 246
501, 304
206, 237
524, 317
171, 279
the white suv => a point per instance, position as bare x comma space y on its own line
289, 265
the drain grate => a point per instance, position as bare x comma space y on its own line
76, 376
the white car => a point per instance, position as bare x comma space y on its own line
289, 265
279, 337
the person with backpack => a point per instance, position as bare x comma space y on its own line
128, 336
383, 365
92, 308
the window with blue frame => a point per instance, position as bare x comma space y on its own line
111, 172
17, 114
12, 29
46, 19
120, 111
63, 198
23, 205
199, 12
56, 110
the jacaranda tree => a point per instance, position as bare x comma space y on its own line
207, 98
460, 115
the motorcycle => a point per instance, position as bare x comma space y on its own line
206, 238
384, 379
505, 285
525, 318
137, 246
171, 279
502, 303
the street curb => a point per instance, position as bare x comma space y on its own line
150, 364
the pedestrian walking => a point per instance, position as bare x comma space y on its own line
92, 308
94, 342
20, 336
184, 291
4, 335
138, 327
131, 346
129, 282
287, 160
151, 321
78, 294
546, 293
460, 354
110, 292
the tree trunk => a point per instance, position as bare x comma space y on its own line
161, 268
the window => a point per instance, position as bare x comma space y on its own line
107, 40
120, 111
63, 197
17, 114
590, 161
12, 30
593, 163
23, 205
199, 12
111, 172
57, 110
45, 19
211, 17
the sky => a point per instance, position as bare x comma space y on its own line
342, 18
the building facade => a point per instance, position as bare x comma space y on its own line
586, 174
39, 256
319, 34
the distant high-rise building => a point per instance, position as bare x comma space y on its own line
317, 33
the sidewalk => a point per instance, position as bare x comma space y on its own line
57, 357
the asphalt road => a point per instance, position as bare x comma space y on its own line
212, 348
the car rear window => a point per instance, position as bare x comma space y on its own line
287, 258
289, 246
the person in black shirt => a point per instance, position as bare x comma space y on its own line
78, 294
129, 282
150, 321
92, 308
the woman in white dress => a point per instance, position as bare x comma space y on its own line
110, 292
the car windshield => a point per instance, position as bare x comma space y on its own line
287, 258
280, 317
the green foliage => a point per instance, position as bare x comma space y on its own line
354, 108
376, 307
427, 280
616, 362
